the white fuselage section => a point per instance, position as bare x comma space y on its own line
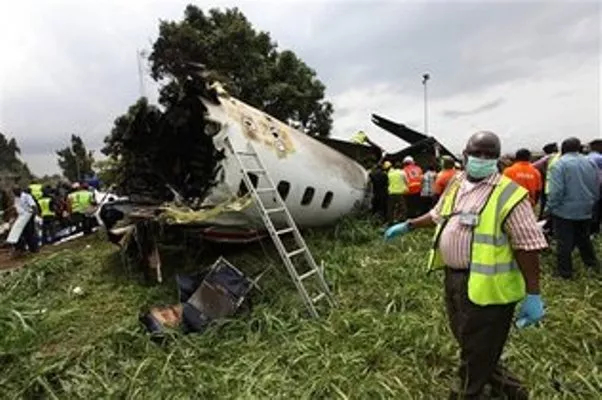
318, 184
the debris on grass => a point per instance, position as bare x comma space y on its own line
388, 337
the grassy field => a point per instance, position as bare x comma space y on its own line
388, 338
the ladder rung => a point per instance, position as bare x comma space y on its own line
295, 252
246, 153
308, 274
318, 298
255, 171
283, 231
265, 190
274, 210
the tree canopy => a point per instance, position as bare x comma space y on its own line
247, 62
153, 150
11, 165
75, 161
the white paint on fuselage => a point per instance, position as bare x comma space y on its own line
304, 163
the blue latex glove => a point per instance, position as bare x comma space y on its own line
397, 230
531, 311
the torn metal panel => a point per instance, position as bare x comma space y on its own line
218, 294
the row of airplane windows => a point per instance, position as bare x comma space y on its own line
284, 188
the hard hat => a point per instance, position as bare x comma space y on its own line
408, 160
387, 165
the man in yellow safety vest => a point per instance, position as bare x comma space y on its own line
397, 188
80, 201
48, 214
487, 241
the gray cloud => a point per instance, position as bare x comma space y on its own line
477, 110
81, 71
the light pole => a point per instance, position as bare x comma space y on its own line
425, 78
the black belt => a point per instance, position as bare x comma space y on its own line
458, 270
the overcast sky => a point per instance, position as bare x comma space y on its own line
528, 71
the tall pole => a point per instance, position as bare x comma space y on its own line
139, 55
425, 78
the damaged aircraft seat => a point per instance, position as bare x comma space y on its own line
204, 298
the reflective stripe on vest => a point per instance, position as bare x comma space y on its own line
414, 177
396, 182
551, 161
495, 278
44, 203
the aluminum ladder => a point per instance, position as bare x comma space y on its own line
292, 259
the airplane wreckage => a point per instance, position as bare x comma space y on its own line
260, 177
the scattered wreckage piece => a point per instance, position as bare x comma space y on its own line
220, 293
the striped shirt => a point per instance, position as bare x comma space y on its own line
454, 242
428, 184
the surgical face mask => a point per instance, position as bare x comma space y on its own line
480, 167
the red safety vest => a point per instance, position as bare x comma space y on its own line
414, 176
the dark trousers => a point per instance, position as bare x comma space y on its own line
570, 233
413, 205
597, 213
28, 237
427, 204
48, 229
481, 332
396, 208
379, 206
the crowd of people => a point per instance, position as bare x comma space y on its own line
40, 214
488, 239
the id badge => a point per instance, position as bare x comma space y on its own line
469, 219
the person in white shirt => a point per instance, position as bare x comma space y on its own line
23, 231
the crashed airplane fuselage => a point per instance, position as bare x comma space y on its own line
318, 184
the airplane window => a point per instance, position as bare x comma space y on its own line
327, 200
283, 188
308, 196
242, 188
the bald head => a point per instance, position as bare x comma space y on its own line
483, 144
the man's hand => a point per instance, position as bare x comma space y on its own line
531, 311
397, 230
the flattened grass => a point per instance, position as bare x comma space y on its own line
388, 337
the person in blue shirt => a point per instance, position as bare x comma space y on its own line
596, 156
574, 189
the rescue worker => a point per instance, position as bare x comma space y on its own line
543, 165
80, 200
525, 174
487, 241
397, 188
48, 214
413, 177
23, 230
445, 175
36, 190
359, 138
574, 189
380, 185
596, 157
428, 197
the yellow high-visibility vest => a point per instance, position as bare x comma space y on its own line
551, 161
36, 190
397, 184
359, 138
495, 277
44, 203
80, 201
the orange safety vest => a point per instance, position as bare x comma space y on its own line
414, 177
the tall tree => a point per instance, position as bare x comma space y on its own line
246, 61
75, 160
11, 165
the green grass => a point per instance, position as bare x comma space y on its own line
388, 337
